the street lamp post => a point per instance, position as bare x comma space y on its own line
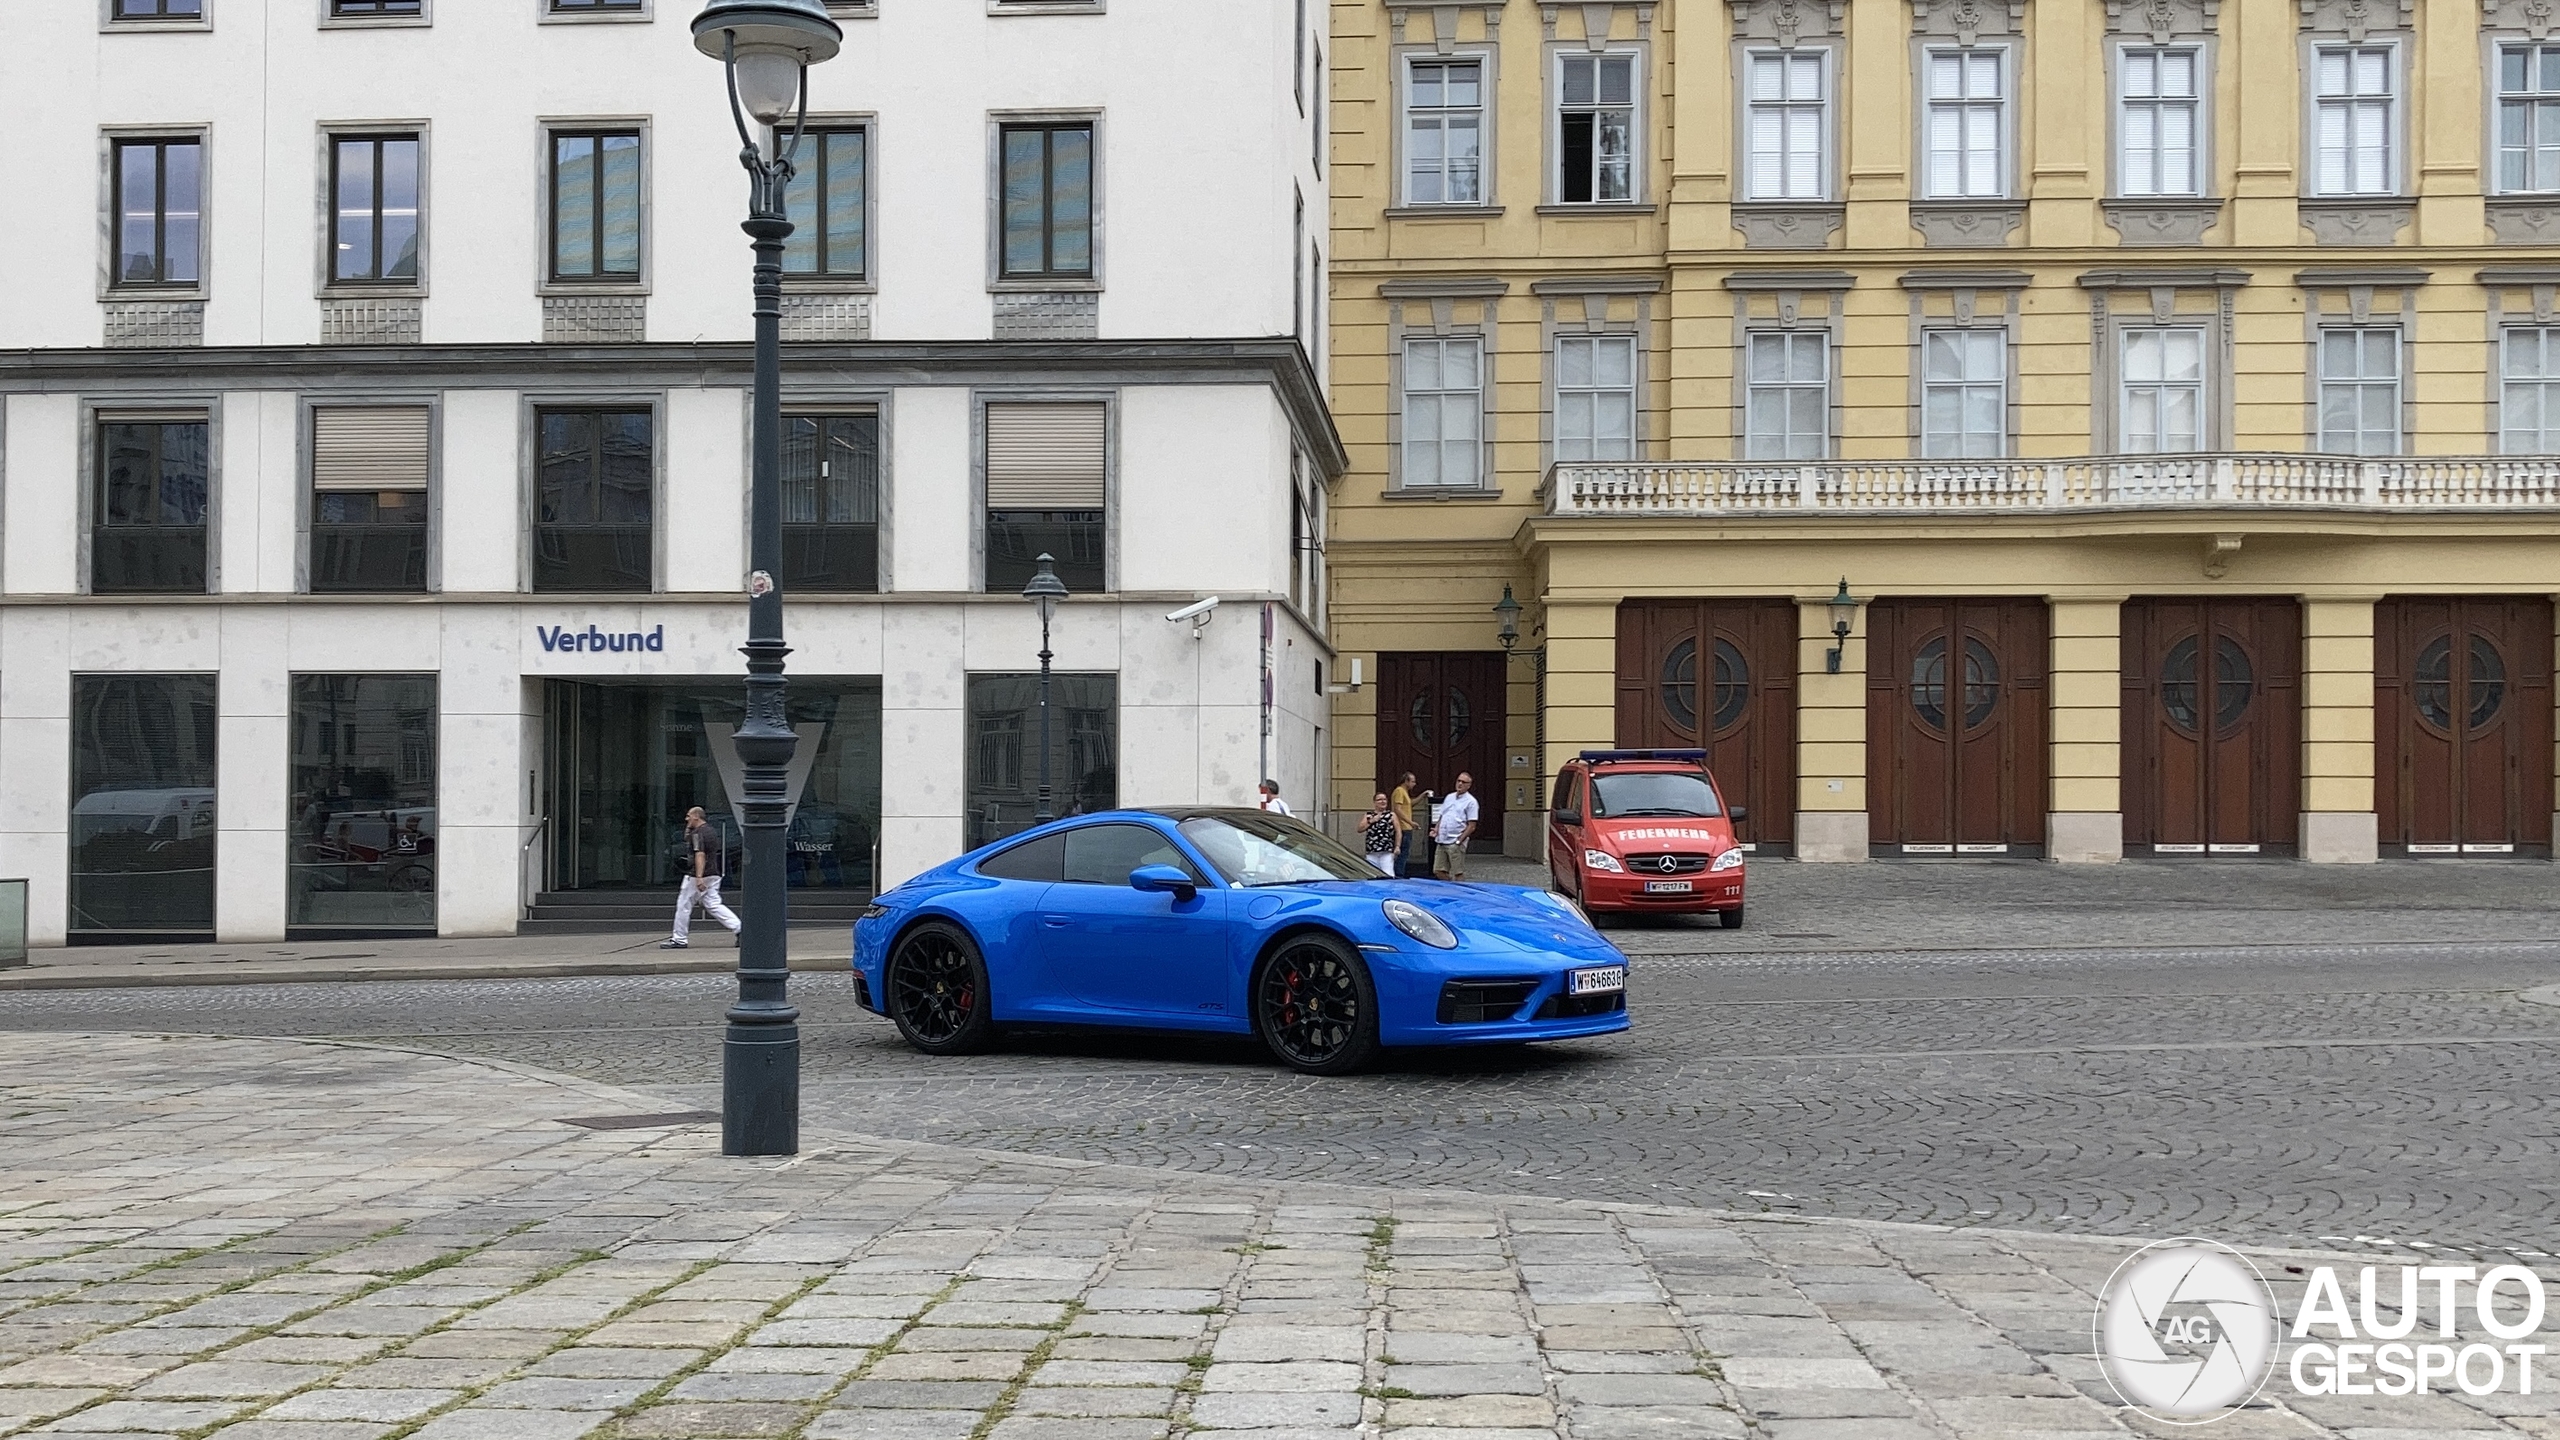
766, 48
1044, 592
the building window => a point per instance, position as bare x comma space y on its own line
143, 820
831, 502
373, 224
1964, 394
1443, 413
2529, 391
1787, 405
1967, 122
2528, 118
1298, 272
370, 9
369, 498
2157, 126
1786, 119
596, 7
363, 803
2360, 392
159, 212
1003, 777
595, 205
828, 203
595, 497
1048, 200
2163, 392
1595, 397
1596, 129
158, 10
1444, 132
1047, 468
2354, 122
154, 481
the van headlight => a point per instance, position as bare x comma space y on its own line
1603, 861
1729, 860
1421, 924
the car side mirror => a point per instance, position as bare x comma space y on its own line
1741, 813
1165, 879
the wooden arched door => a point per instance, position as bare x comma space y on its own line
1956, 726
2462, 721
2212, 725
1440, 712
1718, 676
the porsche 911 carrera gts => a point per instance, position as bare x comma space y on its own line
1226, 922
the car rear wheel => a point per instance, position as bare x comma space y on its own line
1731, 919
1316, 1008
937, 984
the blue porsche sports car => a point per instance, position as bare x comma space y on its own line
1231, 922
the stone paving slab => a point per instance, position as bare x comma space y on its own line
276, 1240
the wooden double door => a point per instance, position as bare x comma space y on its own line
1441, 712
2212, 725
1718, 676
2462, 722
1956, 725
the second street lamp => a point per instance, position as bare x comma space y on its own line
766, 48
1044, 592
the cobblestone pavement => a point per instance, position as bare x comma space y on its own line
267, 1240
2384, 1096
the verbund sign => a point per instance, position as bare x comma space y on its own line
561, 639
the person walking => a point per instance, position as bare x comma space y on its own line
1401, 802
1380, 836
1271, 800
1453, 828
701, 883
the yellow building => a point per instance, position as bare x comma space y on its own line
2173, 387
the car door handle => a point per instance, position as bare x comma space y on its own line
1054, 922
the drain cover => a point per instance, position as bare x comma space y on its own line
642, 1122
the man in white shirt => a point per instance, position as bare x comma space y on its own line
1271, 800
1453, 828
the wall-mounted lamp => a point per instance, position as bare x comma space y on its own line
1507, 610
1347, 687
1844, 617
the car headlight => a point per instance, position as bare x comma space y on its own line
1561, 905
873, 911
1602, 860
1421, 924
1729, 860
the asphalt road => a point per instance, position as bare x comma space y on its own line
2390, 1093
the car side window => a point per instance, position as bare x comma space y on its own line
1569, 796
1105, 854
1040, 859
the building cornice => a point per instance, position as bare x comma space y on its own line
1445, 287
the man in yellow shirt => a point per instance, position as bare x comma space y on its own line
1401, 802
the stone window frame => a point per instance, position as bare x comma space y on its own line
108, 24
2359, 220
1552, 55
1788, 25
2208, 133
529, 407
2356, 290
1093, 281
2539, 288
2008, 48
327, 133
1439, 300
1400, 57
2516, 217
330, 19
110, 217
1785, 293
304, 408
545, 127
868, 283
1597, 296
2164, 220
96, 411
2152, 299
2398, 43
546, 12
1033, 393
1834, 158
1966, 292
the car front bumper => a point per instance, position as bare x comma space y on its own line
1708, 891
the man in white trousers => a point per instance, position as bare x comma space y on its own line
701, 883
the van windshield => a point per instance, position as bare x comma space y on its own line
1684, 793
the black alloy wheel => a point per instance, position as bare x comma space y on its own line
937, 986
1316, 1008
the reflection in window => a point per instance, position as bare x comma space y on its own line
373, 227
594, 501
831, 502
154, 483
363, 846
1047, 198
1003, 778
142, 804
159, 211
826, 202
595, 205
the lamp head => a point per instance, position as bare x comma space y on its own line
1844, 610
1507, 610
774, 40
1045, 589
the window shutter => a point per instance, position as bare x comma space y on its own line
1045, 457
369, 447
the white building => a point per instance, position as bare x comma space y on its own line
373, 438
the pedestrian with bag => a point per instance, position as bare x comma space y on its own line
701, 882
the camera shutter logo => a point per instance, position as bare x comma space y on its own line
2186, 1331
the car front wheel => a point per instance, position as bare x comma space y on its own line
1731, 919
1316, 1008
937, 984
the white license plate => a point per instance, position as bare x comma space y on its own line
1666, 887
1595, 982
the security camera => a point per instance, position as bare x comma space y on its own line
1197, 612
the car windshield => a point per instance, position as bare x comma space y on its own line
1257, 849
1658, 792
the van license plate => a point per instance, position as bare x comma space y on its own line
1596, 982
1666, 887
